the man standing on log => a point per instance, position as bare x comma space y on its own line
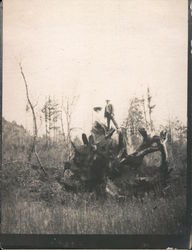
109, 114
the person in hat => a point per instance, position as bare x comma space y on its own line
98, 120
109, 114
97, 115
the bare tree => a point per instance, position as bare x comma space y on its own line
35, 130
44, 110
51, 114
135, 117
150, 108
144, 111
68, 107
62, 123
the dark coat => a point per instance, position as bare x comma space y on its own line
109, 110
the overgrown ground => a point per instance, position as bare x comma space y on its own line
32, 203
82, 215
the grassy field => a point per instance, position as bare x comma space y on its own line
82, 215
31, 204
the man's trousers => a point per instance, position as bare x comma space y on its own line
111, 118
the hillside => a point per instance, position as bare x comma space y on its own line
15, 141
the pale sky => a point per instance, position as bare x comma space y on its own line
109, 49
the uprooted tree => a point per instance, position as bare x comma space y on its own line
102, 162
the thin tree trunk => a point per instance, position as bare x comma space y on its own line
46, 118
33, 150
62, 127
145, 115
33, 113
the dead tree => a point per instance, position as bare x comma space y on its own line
45, 112
144, 111
68, 110
62, 123
51, 113
35, 131
150, 109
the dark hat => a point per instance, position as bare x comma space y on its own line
97, 108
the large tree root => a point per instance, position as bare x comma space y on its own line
99, 159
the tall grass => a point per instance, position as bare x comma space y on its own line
85, 215
32, 204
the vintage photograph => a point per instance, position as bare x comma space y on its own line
94, 117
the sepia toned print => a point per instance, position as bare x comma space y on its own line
94, 126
